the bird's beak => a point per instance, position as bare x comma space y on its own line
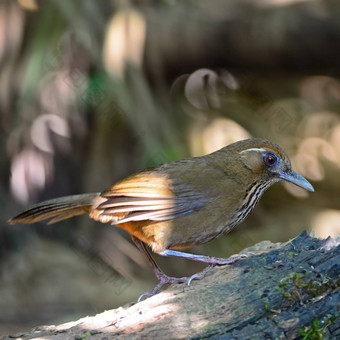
295, 178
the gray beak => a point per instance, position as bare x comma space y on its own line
293, 177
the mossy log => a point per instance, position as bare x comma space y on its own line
280, 291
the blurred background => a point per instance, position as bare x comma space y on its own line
92, 91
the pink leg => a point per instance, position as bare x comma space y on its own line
165, 279
219, 261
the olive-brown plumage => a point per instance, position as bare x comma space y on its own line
184, 203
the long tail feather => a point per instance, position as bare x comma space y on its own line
59, 208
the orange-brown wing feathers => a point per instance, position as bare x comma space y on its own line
149, 195
144, 184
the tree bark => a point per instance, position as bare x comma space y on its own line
280, 291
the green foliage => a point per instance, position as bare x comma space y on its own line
317, 329
266, 305
296, 286
268, 309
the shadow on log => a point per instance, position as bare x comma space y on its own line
281, 291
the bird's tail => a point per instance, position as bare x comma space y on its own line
58, 208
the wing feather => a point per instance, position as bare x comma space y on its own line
149, 195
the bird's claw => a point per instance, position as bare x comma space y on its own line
163, 280
166, 280
200, 275
222, 261
246, 255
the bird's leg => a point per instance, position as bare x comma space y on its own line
163, 278
202, 258
212, 261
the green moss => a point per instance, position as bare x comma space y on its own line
296, 286
266, 305
268, 309
317, 328
290, 286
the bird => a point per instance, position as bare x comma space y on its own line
182, 204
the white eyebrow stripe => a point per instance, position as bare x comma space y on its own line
255, 149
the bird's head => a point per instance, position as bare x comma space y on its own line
269, 161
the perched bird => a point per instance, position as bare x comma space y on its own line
181, 204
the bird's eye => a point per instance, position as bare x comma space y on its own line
270, 159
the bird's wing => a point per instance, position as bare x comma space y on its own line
148, 195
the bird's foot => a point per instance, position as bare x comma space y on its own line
200, 275
163, 280
220, 261
167, 280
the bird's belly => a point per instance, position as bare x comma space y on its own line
187, 232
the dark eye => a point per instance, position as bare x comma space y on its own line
270, 159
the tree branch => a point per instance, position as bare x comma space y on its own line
281, 291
